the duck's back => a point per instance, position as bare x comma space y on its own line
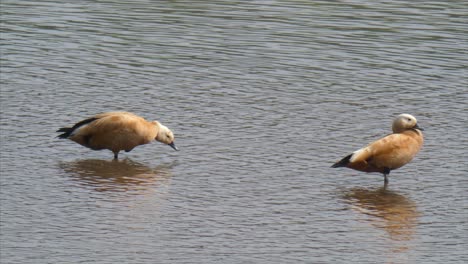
115, 131
395, 150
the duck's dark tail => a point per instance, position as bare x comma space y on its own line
67, 131
343, 162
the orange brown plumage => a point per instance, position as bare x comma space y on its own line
117, 131
390, 152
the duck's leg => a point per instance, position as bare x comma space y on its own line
116, 155
385, 173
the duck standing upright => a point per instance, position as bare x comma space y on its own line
117, 131
390, 152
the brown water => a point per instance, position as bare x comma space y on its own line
263, 97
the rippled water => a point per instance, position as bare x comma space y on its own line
263, 97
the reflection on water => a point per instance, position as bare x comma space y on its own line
390, 211
117, 175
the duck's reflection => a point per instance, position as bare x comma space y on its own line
393, 212
117, 175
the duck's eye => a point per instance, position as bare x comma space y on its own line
409, 119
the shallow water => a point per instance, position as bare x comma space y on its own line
263, 97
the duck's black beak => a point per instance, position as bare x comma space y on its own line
173, 145
417, 127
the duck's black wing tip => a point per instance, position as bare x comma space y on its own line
67, 131
343, 162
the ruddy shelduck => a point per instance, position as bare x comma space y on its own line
117, 131
390, 152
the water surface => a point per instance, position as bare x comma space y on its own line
263, 96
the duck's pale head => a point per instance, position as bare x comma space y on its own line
165, 136
404, 122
